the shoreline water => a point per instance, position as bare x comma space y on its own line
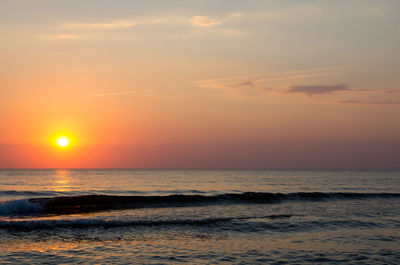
200, 216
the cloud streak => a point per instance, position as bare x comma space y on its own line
264, 82
239, 83
205, 22
120, 24
364, 102
119, 93
185, 26
63, 36
196, 21
318, 89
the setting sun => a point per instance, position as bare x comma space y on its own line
63, 141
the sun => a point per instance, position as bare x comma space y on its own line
63, 141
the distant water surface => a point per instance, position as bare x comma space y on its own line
199, 216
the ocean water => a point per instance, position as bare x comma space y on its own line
199, 217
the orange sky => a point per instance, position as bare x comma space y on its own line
266, 84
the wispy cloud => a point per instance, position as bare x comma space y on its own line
197, 21
392, 91
119, 24
238, 83
379, 12
248, 83
63, 36
206, 22
365, 102
264, 82
318, 89
256, 83
186, 26
119, 93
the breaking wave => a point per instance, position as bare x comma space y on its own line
20, 207
95, 203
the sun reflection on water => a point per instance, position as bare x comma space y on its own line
62, 181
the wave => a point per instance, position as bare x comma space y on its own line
239, 224
84, 223
20, 207
27, 193
95, 203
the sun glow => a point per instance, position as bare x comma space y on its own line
63, 141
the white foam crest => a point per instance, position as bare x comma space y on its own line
19, 207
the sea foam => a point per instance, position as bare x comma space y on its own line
18, 207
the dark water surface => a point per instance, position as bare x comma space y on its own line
199, 217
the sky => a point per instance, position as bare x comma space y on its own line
200, 84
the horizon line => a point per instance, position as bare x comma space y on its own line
255, 169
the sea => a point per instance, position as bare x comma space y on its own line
199, 217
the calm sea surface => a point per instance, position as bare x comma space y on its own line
199, 217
